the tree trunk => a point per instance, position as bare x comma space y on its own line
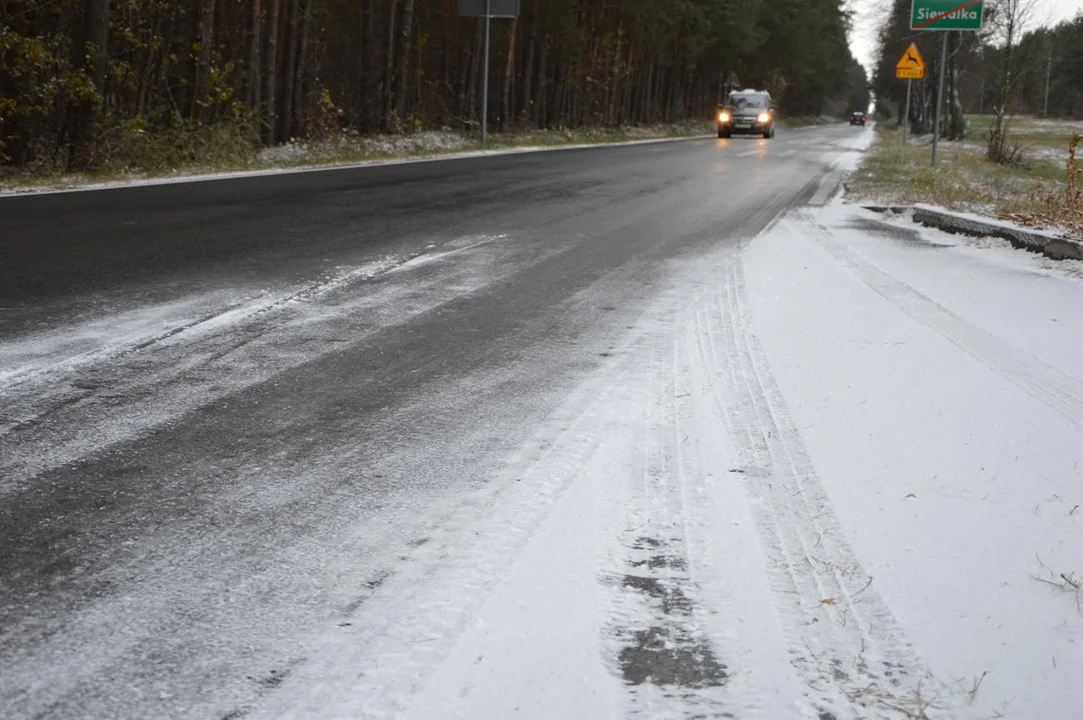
90, 54
270, 76
253, 96
528, 70
509, 68
147, 72
300, 85
475, 74
463, 83
389, 64
541, 102
403, 73
371, 63
957, 126
560, 92
288, 86
206, 45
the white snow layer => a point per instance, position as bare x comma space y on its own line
833, 472
825, 476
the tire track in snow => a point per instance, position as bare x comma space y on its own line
394, 656
378, 663
1058, 391
657, 636
682, 622
844, 644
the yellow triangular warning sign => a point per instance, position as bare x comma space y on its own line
911, 59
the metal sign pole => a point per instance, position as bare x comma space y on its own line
487, 9
939, 93
485, 82
906, 116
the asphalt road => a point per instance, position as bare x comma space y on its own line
230, 409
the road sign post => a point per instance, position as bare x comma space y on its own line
945, 15
487, 9
911, 66
906, 115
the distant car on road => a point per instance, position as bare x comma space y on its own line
858, 118
747, 111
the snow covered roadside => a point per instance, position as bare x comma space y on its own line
939, 391
662, 547
823, 477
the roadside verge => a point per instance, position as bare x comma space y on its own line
298, 158
1033, 202
1047, 243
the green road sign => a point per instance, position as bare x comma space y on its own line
946, 15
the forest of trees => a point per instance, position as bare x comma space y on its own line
82, 79
1003, 67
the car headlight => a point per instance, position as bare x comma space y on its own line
763, 117
723, 116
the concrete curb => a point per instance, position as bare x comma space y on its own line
1049, 244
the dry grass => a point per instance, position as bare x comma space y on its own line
1066, 582
964, 180
1036, 137
1063, 208
977, 686
913, 707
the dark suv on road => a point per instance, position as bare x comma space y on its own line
857, 118
747, 111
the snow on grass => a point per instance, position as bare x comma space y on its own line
352, 145
893, 173
1029, 132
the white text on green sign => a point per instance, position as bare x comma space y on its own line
946, 15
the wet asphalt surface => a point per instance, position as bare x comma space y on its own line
176, 515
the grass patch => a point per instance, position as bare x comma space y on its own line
893, 173
196, 151
1033, 135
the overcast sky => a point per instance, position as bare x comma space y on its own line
869, 14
